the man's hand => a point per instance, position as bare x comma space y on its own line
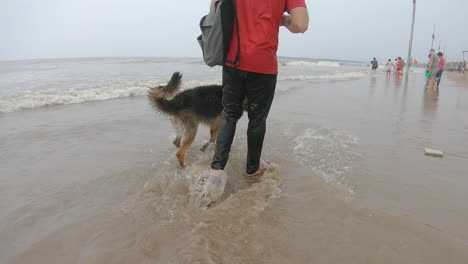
286, 20
298, 21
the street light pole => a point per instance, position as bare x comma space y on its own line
410, 60
433, 37
464, 62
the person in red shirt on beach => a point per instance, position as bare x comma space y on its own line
441, 67
399, 66
251, 72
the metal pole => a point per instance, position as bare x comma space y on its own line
445, 54
410, 60
433, 37
464, 62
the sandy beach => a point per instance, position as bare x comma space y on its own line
98, 182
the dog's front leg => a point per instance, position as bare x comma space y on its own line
213, 134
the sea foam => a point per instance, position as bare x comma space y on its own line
310, 64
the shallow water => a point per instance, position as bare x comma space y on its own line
98, 182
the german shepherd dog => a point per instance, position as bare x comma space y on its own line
188, 109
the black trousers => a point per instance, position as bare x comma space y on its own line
439, 76
259, 89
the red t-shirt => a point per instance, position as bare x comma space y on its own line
441, 63
259, 23
400, 65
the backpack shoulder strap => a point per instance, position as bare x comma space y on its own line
236, 27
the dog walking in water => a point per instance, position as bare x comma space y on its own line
188, 109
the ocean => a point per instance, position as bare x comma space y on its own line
36, 83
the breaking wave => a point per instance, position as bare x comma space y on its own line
34, 99
39, 98
310, 64
325, 76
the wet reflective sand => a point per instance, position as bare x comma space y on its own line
99, 182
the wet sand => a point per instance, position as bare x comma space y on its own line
99, 182
460, 78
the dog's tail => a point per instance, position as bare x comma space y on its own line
159, 95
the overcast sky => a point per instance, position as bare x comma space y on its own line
339, 29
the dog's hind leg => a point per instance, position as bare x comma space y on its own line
189, 137
177, 126
176, 142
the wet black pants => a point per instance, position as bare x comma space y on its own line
259, 89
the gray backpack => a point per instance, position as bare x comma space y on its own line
217, 28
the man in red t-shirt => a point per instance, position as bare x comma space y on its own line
251, 70
441, 67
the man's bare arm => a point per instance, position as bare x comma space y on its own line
212, 4
297, 21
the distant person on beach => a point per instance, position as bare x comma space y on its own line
389, 67
461, 67
432, 68
254, 73
441, 67
375, 64
399, 67
395, 70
